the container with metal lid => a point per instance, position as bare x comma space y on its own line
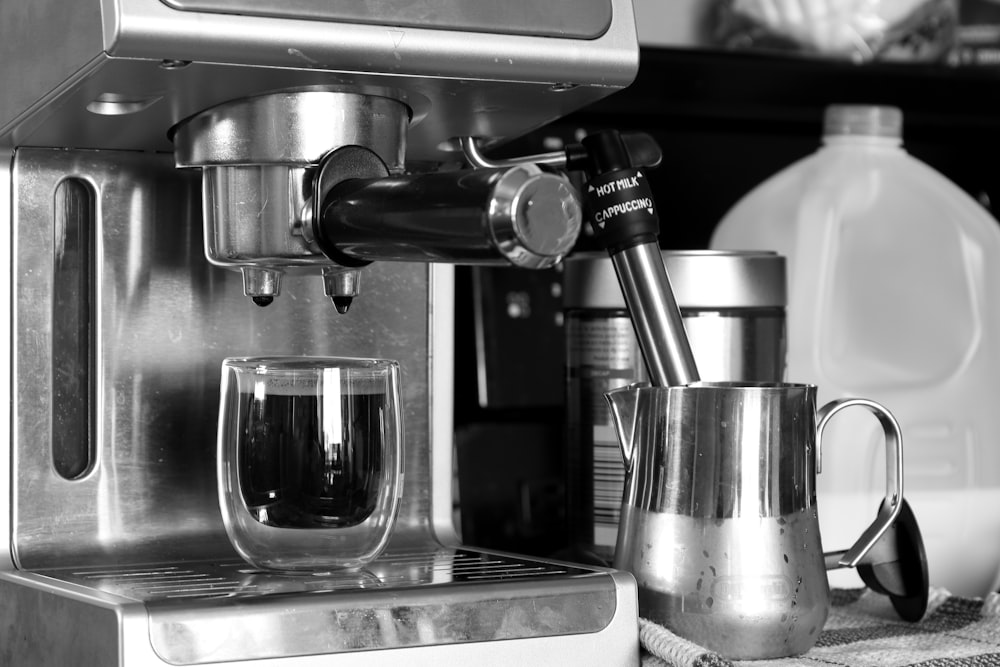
733, 307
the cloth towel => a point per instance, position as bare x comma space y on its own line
863, 630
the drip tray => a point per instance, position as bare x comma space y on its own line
212, 612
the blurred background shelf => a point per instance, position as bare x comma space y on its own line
787, 93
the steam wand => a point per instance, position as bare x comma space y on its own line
619, 203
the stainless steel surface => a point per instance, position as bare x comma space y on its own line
49, 630
259, 157
534, 216
719, 450
738, 345
736, 332
519, 215
642, 149
292, 128
251, 213
719, 520
725, 584
732, 306
715, 280
892, 503
475, 157
272, 166
94, 204
163, 320
589, 19
389, 604
341, 285
164, 65
655, 315
424, 606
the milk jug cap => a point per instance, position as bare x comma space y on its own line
863, 120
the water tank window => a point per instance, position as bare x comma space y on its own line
73, 336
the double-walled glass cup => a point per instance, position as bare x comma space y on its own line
309, 459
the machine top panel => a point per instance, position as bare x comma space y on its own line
135, 68
588, 20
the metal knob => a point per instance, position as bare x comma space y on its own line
534, 216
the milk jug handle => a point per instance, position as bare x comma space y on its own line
891, 505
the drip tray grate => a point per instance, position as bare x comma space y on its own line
236, 578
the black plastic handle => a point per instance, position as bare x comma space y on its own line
617, 197
643, 151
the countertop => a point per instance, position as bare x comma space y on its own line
863, 630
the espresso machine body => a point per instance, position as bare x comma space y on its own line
124, 151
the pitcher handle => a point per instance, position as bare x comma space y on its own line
892, 503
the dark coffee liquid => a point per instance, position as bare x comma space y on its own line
293, 475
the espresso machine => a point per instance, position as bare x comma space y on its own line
189, 180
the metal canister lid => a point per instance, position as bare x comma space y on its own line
703, 279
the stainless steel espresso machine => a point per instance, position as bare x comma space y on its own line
312, 149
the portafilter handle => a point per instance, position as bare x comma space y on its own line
519, 215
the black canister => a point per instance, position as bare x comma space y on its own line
733, 308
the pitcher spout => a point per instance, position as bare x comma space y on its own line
624, 404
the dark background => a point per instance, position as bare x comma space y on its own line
725, 122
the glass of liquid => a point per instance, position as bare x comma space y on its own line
309, 460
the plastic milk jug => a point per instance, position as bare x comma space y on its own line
893, 295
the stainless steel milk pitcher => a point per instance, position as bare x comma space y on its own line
719, 519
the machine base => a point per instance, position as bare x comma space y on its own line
421, 606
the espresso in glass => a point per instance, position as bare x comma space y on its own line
293, 474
